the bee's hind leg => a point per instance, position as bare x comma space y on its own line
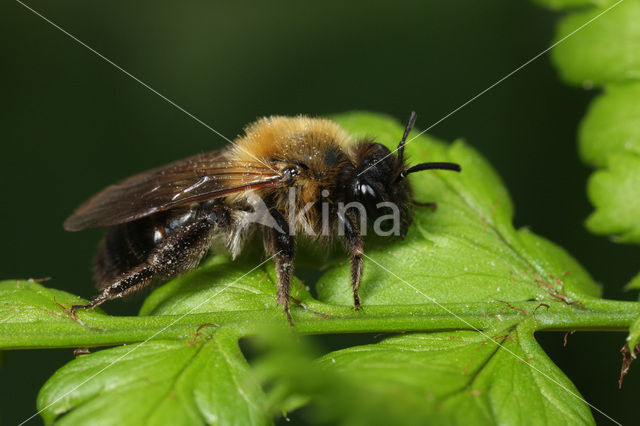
172, 256
96, 301
282, 245
133, 280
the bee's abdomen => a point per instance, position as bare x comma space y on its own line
124, 247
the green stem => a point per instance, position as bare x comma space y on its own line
102, 330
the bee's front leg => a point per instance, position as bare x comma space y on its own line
282, 244
431, 204
355, 247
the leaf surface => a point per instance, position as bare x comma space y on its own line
602, 49
451, 377
200, 381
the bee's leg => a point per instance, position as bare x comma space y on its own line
432, 205
355, 247
172, 256
280, 243
96, 301
129, 282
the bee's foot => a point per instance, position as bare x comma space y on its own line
74, 308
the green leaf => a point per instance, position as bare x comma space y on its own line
204, 380
28, 309
221, 285
602, 47
611, 125
452, 377
610, 140
634, 334
634, 284
614, 192
29, 302
607, 50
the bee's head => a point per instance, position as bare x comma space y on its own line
380, 178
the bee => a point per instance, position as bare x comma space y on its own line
162, 222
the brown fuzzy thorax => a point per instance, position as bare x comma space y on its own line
317, 148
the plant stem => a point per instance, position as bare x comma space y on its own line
318, 318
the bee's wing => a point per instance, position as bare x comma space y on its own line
201, 177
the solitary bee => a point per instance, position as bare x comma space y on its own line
162, 222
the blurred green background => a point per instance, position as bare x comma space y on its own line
72, 124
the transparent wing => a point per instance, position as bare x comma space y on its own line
201, 177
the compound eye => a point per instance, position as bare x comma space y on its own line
365, 189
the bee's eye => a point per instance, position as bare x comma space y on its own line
365, 189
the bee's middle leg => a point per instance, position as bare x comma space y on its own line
281, 244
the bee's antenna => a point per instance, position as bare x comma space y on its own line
407, 130
429, 166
